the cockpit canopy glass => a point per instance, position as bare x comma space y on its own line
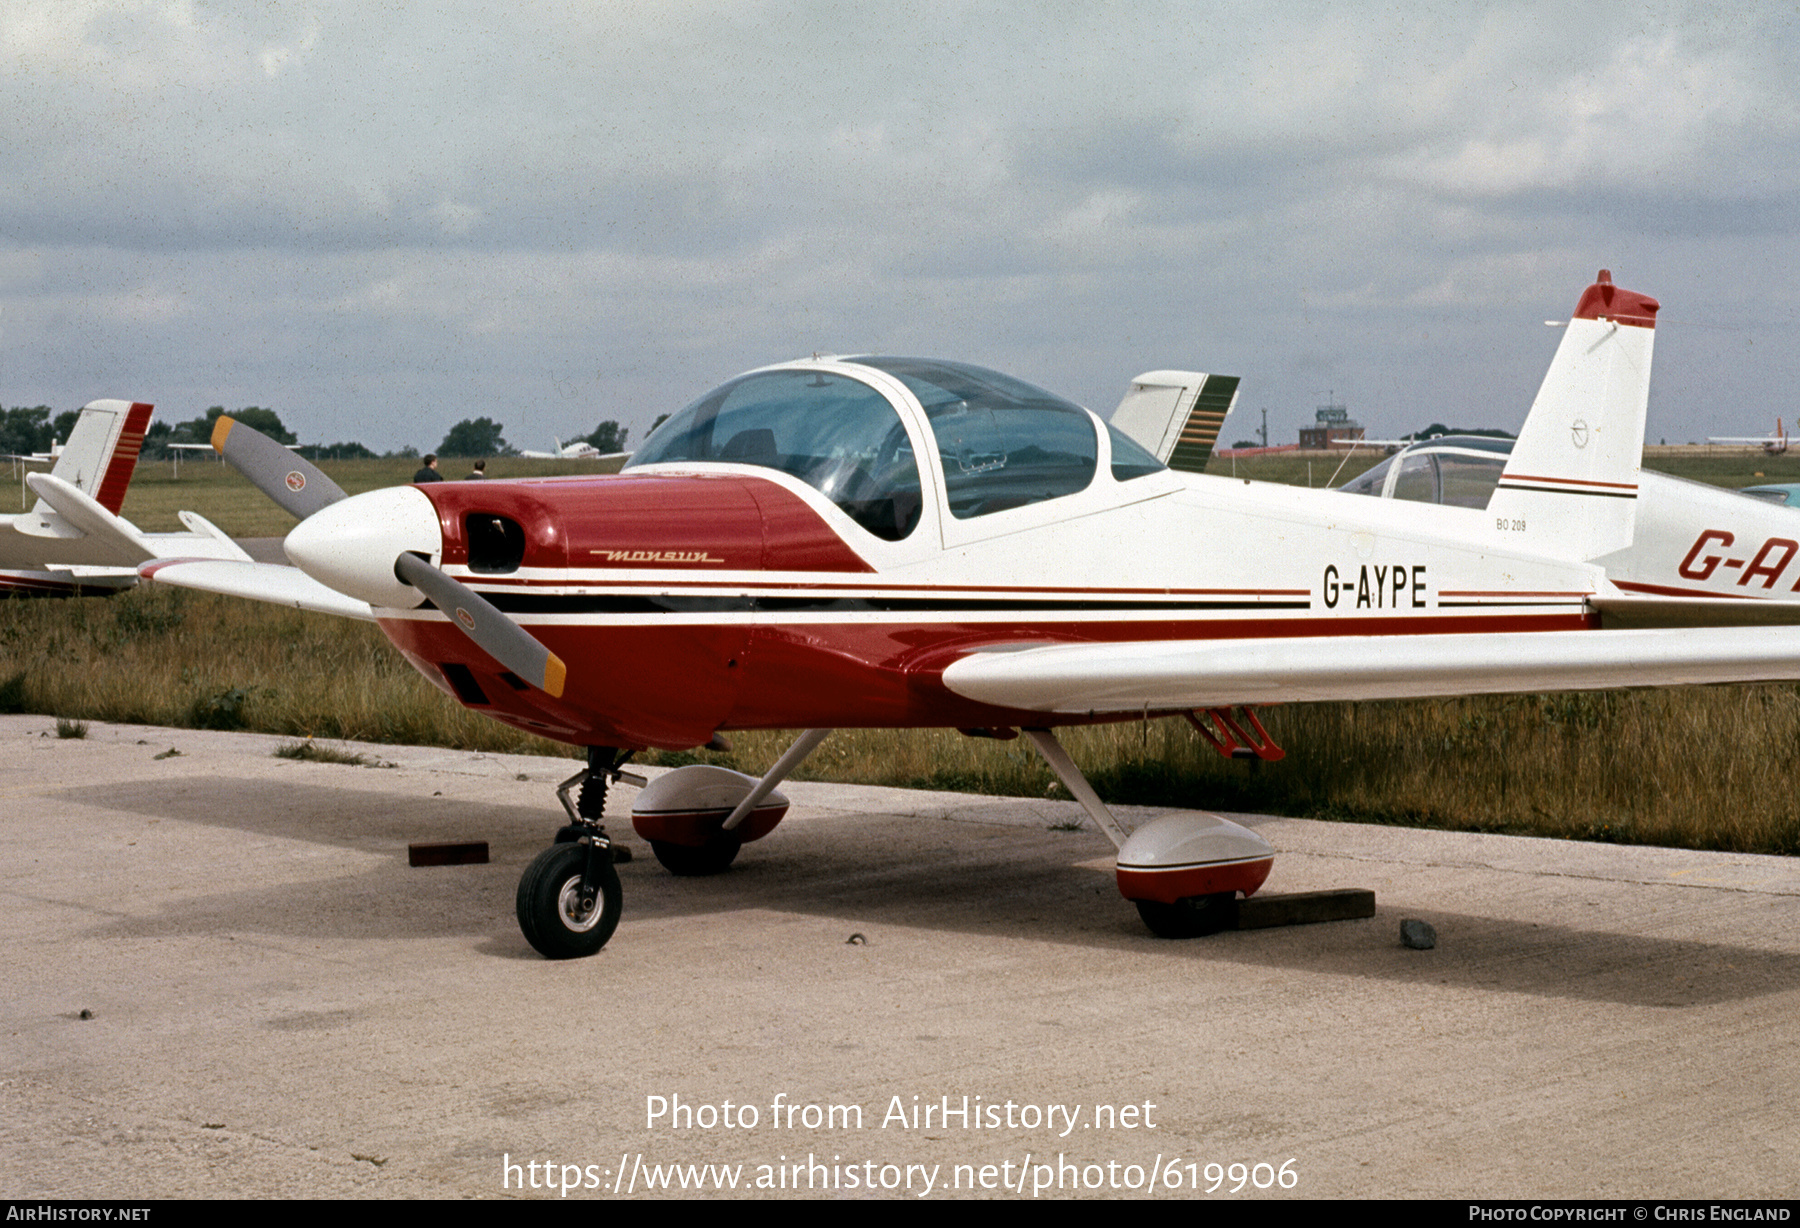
1458, 471
837, 434
1002, 442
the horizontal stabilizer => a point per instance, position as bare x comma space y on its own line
1188, 674
270, 582
1624, 612
202, 527
86, 516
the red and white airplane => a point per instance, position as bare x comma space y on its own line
72, 541
897, 542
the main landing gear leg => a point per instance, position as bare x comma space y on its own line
568, 900
1076, 783
1188, 916
791, 758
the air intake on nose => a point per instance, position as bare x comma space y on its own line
462, 680
496, 543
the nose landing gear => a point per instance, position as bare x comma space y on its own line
568, 900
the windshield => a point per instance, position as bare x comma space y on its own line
836, 434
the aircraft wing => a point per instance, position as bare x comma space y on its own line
269, 582
1189, 674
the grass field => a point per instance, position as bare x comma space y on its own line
1702, 767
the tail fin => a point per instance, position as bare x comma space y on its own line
1570, 487
1176, 415
102, 450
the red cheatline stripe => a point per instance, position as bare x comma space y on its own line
1527, 477
1664, 590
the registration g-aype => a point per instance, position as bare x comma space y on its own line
898, 542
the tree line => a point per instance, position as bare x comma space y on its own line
476, 437
24, 431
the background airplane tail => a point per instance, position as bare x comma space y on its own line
1570, 487
1177, 415
102, 451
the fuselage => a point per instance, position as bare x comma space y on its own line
774, 580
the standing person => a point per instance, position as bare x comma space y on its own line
478, 472
428, 472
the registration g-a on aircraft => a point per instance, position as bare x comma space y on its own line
72, 541
897, 542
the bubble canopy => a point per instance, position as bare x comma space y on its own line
1002, 443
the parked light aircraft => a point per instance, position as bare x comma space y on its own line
38, 458
579, 450
895, 542
73, 541
1774, 444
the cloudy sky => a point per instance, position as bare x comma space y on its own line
379, 218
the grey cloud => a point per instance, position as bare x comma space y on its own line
384, 215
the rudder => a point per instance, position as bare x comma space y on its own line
102, 450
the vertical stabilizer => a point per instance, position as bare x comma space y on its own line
1570, 487
1176, 415
102, 451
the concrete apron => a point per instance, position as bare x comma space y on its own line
280, 1007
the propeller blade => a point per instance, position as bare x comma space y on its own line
493, 632
294, 482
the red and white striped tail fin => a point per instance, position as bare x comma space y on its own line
102, 450
1570, 487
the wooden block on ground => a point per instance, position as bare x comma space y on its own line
1305, 907
448, 853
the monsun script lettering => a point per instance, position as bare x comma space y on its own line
657, 556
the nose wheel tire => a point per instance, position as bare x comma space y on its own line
551, 914
686, 861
